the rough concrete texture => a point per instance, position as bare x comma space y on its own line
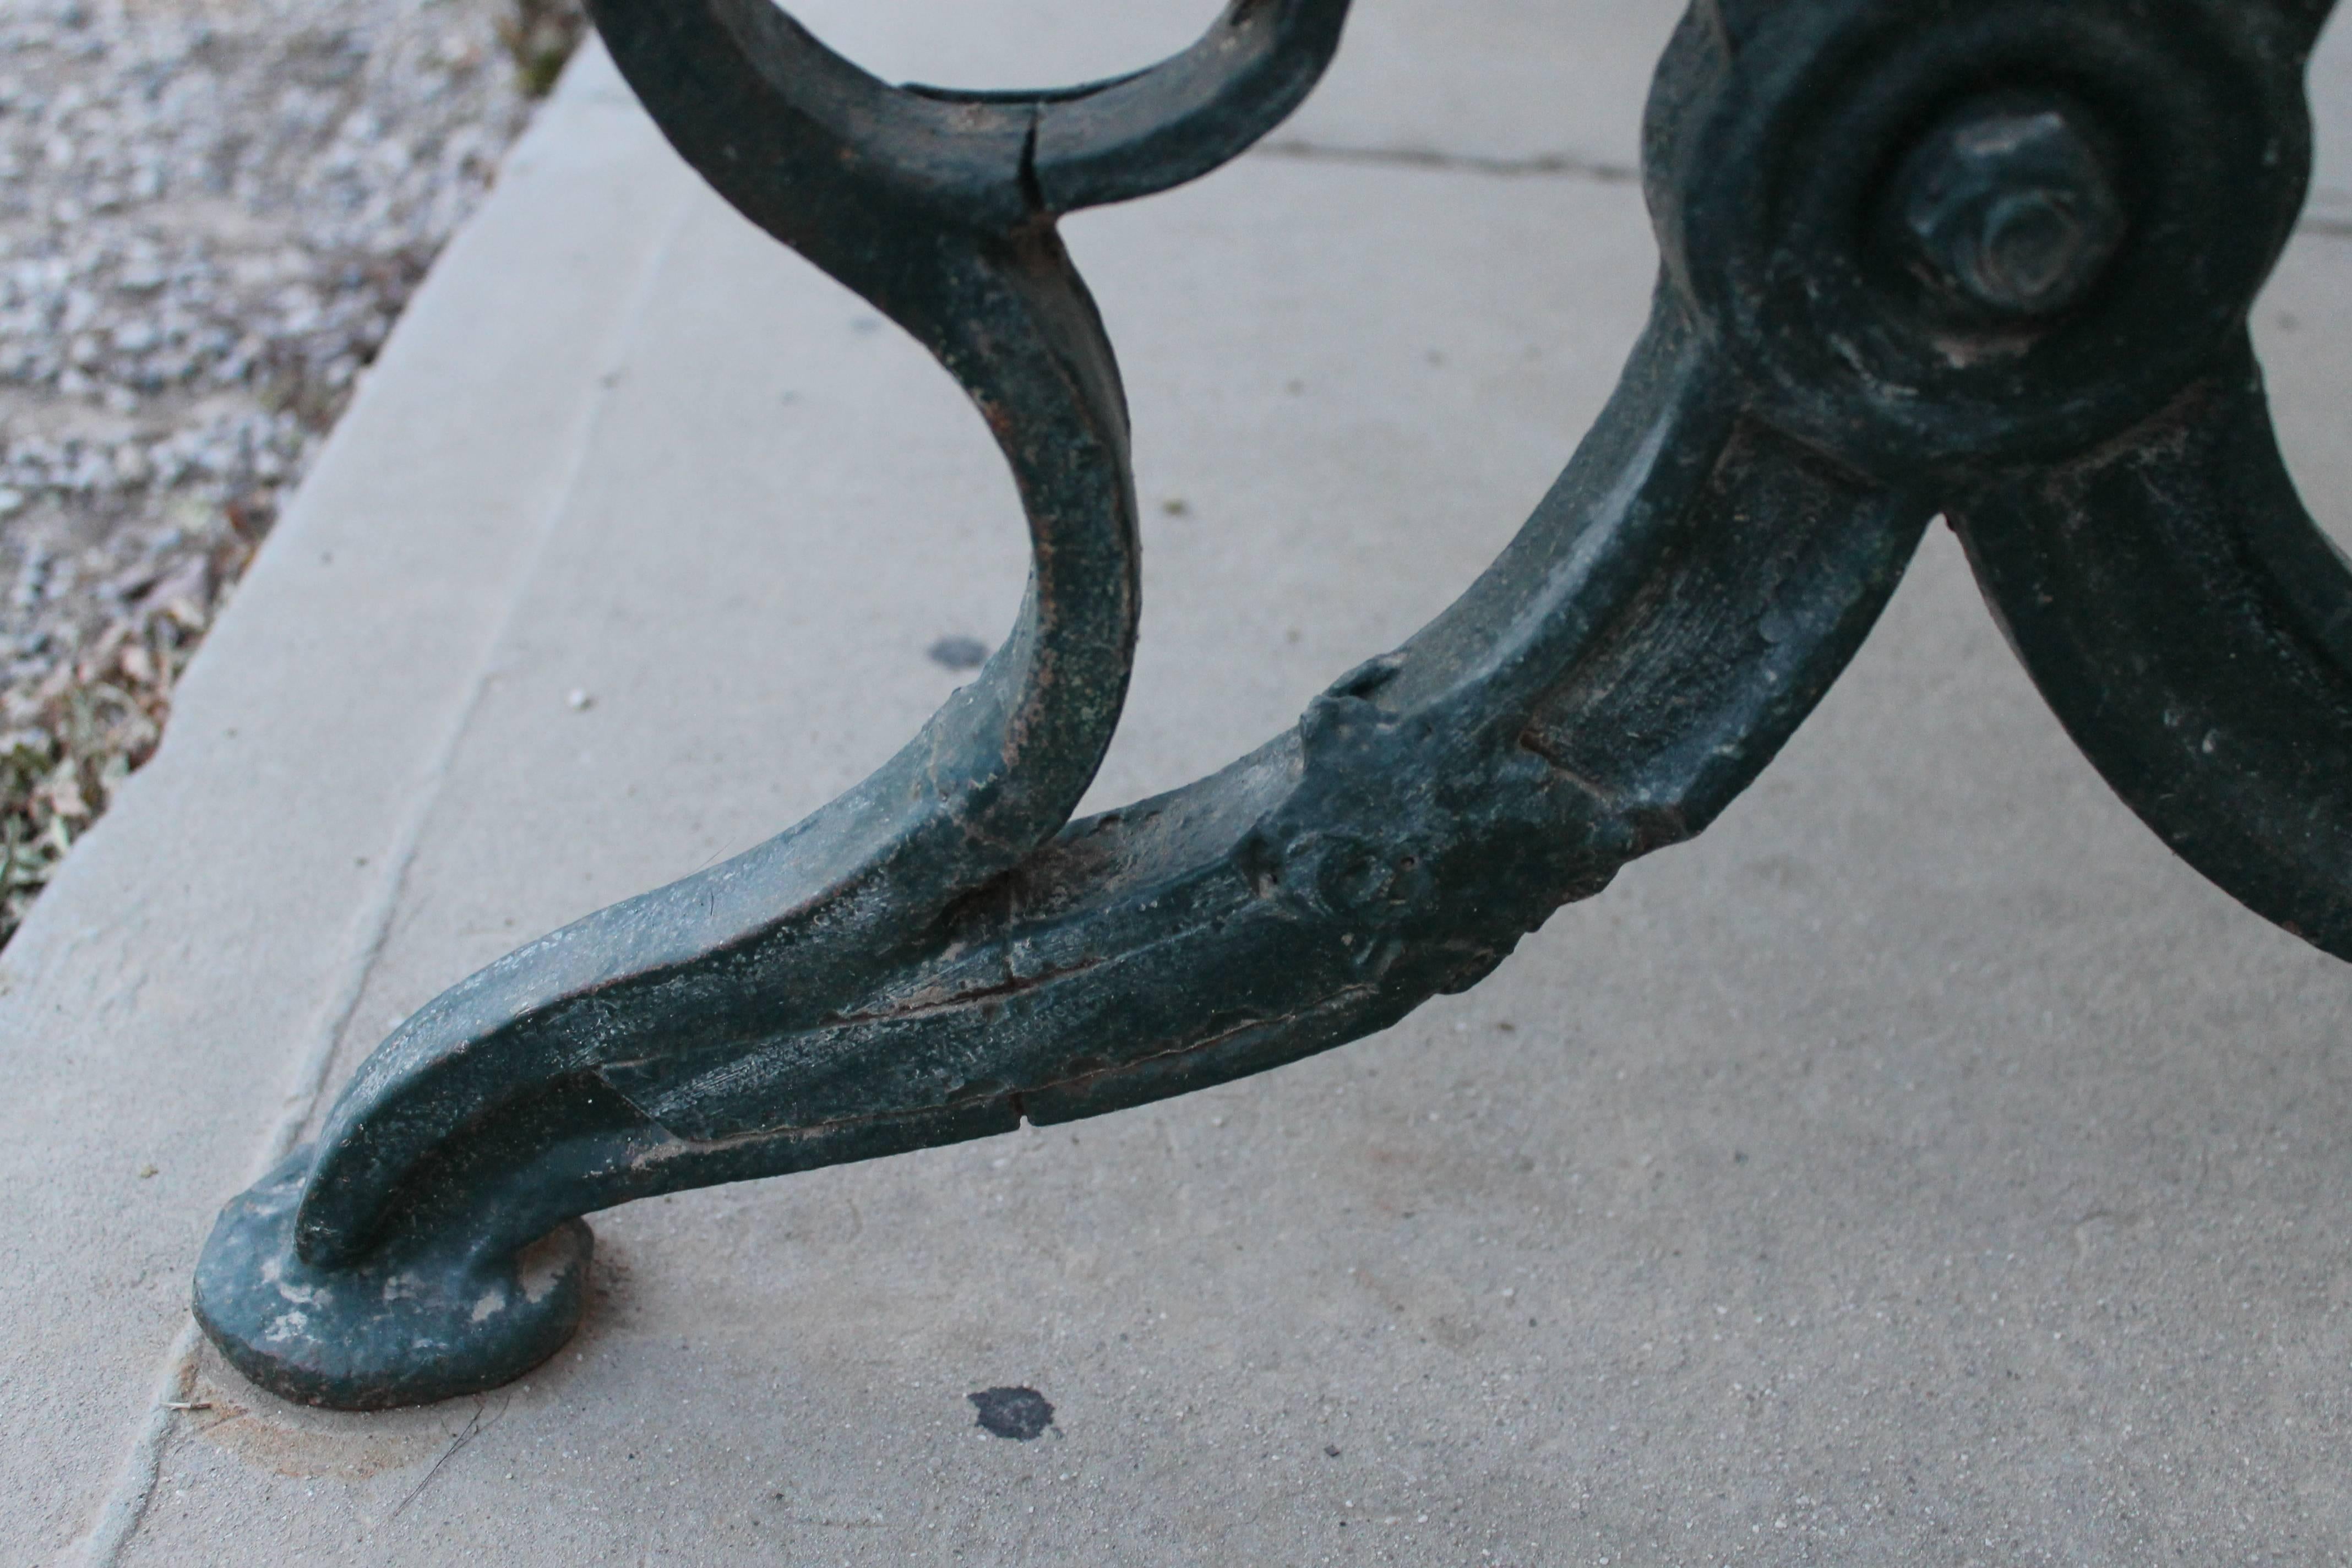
1924, 1167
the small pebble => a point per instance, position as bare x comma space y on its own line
577, 700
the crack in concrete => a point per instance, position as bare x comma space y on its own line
125, 1508
1557, 166
1537, 165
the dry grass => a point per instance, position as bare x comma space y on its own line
538, 35
74, 739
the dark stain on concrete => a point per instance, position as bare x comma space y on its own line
1020, 1414
959, 653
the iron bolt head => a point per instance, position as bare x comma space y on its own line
2012, 210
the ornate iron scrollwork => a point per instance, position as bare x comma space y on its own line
1992, 259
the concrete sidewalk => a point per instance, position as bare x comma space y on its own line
1924, 1167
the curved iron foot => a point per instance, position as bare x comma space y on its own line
1994, 257
2193, 630
430, 1315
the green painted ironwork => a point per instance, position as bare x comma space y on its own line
1992, 259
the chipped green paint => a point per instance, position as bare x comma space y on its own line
1991, 258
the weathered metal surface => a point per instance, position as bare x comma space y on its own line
1992, 259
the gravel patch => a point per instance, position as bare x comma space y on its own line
211, 214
